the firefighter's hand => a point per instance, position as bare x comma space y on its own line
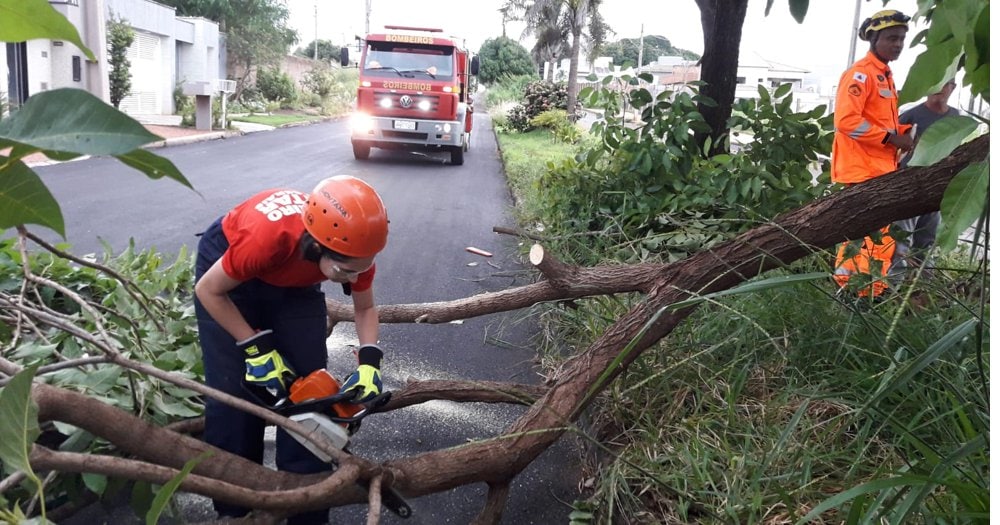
366, 380
902, 142
265, 368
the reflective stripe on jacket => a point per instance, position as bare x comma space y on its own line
866, 109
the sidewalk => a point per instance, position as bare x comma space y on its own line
172, 136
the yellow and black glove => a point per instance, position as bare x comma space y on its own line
266, 370
366, 380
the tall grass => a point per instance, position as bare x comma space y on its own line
787, 405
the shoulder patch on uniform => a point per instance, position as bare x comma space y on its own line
853, 89
860, 77
880, 78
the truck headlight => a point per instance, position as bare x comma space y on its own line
424, 105
362, 123
385, 102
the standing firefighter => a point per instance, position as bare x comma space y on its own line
262, 316
869, 138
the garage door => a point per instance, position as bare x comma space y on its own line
147, 72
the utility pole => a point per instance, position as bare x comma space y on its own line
854, 33
368, 14
316, 31
642, 28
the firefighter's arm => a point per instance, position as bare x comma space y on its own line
365, 316
213, 292
852, 94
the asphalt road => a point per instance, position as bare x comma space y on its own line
436, 210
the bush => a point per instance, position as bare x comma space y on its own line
320, 81
557, 121
275, 86
539, 96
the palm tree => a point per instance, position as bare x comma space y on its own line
578, 19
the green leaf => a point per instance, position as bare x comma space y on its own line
19, 431
22, 20
782, 90
859, 490
798, 9
96, 483
153, 165
24, 199
72, 120
941, 138
163, 495
963, 201
930, 69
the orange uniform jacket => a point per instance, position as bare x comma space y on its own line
866, 109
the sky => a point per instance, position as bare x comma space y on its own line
821, 44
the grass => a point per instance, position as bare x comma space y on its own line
787, 405
525, 157
276, 120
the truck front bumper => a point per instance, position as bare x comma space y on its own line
401, 133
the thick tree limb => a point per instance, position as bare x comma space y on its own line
846, 215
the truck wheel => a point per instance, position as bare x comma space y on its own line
361, 151
457, 156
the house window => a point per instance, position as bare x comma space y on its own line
76, 69
741, 80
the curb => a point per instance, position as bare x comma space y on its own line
178, 141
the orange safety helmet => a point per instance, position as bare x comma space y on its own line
346, 215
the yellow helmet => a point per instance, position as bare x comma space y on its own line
881, 20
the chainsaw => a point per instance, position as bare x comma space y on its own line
316, 403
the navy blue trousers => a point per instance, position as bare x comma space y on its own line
298, 318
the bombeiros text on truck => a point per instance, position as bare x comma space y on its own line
413, 93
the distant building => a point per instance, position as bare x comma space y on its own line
168, 50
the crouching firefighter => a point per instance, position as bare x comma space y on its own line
262, 316
869, 139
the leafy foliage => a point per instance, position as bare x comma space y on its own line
501, 57
275, 85
120, 37
320, 50
656, 183
558, 122
154, 324
626, 51
539, 96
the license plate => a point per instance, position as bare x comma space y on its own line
404, 124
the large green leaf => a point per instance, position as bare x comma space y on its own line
153, 165
163, 495
963, 202
930, 70
22, 20
939, 140
24, 199
20, 422
72, 120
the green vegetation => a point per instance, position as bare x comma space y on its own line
120, 37
789, 404
503, 57
276, 120
625, 52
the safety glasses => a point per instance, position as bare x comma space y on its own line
895, 17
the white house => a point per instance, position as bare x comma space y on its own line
168, 50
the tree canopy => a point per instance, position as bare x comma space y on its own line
500, 57
626, 50
326, 50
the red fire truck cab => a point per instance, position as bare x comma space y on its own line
413, 93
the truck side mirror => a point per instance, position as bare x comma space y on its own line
474, 66
345, 57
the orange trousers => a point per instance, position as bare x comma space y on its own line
871, 255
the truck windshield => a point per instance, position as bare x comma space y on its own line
408, 60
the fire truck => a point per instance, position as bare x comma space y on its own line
413, 93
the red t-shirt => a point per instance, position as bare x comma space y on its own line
263, 234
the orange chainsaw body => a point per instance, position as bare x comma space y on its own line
318, 385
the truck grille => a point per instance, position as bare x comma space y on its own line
412, 135
414, 101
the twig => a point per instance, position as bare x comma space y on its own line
129, 286
374, 499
